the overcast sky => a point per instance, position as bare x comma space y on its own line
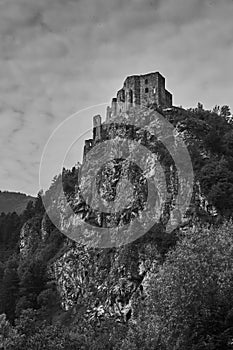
59, 56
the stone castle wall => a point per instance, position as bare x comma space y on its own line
138, 90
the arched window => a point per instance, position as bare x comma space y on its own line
146, 81
146, 90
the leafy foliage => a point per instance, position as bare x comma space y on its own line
190, 300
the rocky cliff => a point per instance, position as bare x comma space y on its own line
105, 277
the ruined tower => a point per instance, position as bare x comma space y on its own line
97, 127
140, 90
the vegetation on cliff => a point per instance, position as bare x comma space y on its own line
163, 291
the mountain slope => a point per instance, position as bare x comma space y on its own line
13, 201
113, 298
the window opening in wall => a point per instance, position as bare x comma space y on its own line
146, 81
131, 96
146, 90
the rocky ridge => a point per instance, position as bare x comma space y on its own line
108, 282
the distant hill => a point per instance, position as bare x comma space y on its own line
13, 201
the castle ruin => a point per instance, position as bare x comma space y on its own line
140, 90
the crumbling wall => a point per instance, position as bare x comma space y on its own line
140, 90
88, 145
97, 128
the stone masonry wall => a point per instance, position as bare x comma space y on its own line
140, 90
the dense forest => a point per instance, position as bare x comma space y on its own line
183, 301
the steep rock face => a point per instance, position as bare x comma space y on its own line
29, 239
108, 281
112, 162
105, 281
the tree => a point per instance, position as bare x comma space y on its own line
32, 280
225, 111
216, 180
216, 109
28, 212
10, 288
39, 206
191, 296
8, 335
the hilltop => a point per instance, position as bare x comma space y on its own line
13, 201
